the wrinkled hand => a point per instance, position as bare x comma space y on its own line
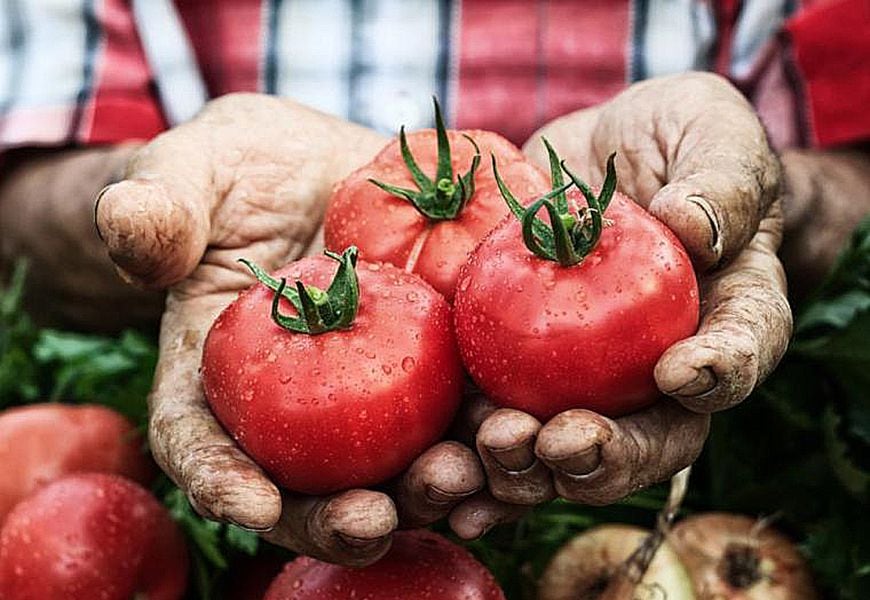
249, 177
691, 150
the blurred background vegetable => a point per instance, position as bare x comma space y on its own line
798, 451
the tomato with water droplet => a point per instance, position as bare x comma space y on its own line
42, 442
90, 536
586, 335
389, 228
420, 565
410, 352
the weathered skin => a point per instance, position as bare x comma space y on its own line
690, 149
46, 202
251, 173
248, 177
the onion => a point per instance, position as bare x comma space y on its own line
735, 557
583, 568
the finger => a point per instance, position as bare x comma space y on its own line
598, 461
474, 517
722, 175
185, 438
473, 411
438, 480
505, 443
745, 326
352, 528
155, 222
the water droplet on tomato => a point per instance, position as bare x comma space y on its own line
387, 369
408, 364
411, 296
464, 283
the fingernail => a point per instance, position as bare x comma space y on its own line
97, 206
704, 382
515, 458
482, 531
251, 529
355, 542
578, 464
715, 229
439, 496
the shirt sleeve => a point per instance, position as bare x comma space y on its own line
830, 45
73, 72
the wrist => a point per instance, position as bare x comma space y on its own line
826, 195
46, 215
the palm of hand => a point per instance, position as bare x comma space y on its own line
690, 149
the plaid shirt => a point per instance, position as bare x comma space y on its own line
104, 71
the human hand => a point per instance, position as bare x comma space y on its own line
827, 194
249, 178
46, 217
691, 150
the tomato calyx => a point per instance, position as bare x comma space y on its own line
319, 310
442, 199
573, 231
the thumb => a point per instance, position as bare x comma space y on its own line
722, 175
715, 213
155, 222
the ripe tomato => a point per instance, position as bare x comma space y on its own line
388, 228
544, 337
42, 442
91, 536
349, 407
420, 565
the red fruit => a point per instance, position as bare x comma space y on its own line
346, 408
42, 442
544, 338
388, 228
91, 536
419, 566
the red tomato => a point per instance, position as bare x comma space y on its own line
344, 408
42, 442
389, 229
419, 566
543, 338
91, 536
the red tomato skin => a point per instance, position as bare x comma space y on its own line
420, 565
42, 442
389, 229
543, 338
89, 536
343, 409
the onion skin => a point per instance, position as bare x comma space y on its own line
710, 544
580, 569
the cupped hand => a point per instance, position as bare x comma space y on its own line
249, 177
691, 150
